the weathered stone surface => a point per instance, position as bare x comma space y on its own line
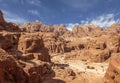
113, 72
1, 17
9, 40
86, 30
38, 26
115, 28
33, 43
89, 55
13, 71
54, 43
8, 26
10, 71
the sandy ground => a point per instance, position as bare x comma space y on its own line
92, 72
98, 68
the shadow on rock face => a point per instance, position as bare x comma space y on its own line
54, 81
49, 78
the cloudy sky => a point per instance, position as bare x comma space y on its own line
69, 12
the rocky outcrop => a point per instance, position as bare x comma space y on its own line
9, 41
33, 45
114, 28
38, 26
23, 56
33, 27
13, 70
4, 26
113, 71
96, 49
113, 43
92, 55
60, 29
54, 43
20, 67
10, 71
86, 30
1, 18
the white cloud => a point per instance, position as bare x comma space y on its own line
71, 25
31, 2
34, 12
10, 17
103, 21
34, 2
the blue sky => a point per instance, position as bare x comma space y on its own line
69, 12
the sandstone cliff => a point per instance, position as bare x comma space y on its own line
113, 72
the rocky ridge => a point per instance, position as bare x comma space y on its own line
26, 51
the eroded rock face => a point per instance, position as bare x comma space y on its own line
87, 48
89, 55
20, 67
23, 56
33, 43
54, 43
1, 17
86, 30
38, 26
113, 72
10, 71
11, 27
9, 41
114, 43
19, 71
115, 28
96, 49
35, 59
33, 27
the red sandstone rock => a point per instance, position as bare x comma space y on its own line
86, 30
32, 43
10, 72
113, 72
54, 43
1, 17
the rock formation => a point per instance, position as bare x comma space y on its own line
115, 28
113, 72
20, 67
54, 43
1, 17
33, 45
26, 51
86, 30
24, 59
